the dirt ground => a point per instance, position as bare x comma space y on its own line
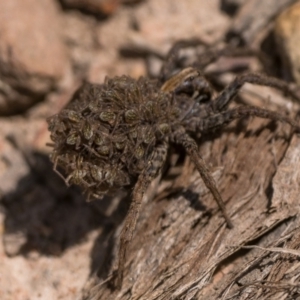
54, 245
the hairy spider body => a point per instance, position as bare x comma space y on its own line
110, 131
117, 134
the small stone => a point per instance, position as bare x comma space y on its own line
33, 56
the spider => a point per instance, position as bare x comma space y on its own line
117, 134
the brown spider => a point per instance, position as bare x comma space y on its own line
117, 134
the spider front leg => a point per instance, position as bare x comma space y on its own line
222, 101
172, 60
196, 124
181, 137
210, 54
152, 170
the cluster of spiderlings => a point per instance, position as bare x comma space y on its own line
104, 138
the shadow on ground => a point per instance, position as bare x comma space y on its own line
44, 215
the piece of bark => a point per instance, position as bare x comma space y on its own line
271, 269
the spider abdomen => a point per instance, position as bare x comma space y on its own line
105, 136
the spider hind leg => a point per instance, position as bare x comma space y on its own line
151, 171
181, 137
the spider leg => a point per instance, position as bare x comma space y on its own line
172, 60
210, 55
226, 117
181, 137
154, 166
222, 101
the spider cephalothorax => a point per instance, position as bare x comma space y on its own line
117, 134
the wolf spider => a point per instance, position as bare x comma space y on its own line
131, 124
